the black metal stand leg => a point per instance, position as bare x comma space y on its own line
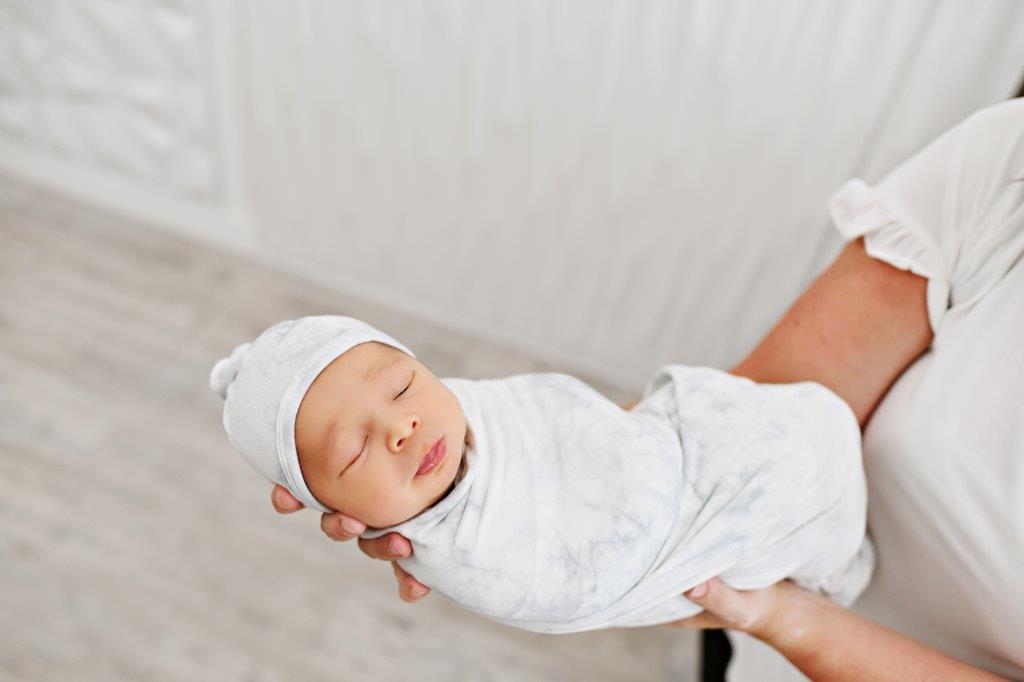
715, 653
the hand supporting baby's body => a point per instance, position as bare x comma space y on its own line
767, 485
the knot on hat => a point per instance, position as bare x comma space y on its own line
226, 369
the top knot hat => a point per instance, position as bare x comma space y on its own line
263, 382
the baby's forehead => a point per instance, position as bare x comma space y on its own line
380, 358
347, 375
360, 364
365, 363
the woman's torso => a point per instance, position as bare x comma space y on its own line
944, 456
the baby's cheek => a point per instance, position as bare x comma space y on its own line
313, 483
395, 506
383, 493
325, 492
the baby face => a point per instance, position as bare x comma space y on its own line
364, 431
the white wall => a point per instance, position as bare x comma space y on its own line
119, 86
607, 185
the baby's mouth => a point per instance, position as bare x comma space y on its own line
433, 457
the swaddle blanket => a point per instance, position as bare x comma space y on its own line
575, 514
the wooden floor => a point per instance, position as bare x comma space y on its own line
136, 545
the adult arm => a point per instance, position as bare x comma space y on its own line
822, 639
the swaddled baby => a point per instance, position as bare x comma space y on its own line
537, 502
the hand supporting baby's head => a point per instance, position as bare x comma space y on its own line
344, 417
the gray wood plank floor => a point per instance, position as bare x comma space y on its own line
136, 545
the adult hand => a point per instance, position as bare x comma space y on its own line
342, 528
802, 625
753, 611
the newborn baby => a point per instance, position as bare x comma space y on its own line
537, 502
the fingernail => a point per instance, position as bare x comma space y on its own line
394, 547
350, 526
418, 591
698, 591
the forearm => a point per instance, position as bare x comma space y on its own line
828, 642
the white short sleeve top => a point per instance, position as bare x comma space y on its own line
944, 450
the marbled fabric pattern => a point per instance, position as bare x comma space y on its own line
576, 515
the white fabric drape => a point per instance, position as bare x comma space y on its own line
605, 186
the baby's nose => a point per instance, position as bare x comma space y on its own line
403, 429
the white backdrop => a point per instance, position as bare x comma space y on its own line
118, 86
608, 186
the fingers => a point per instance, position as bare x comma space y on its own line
388, 547
737, 610
339, 527
409, 589
706, 618
283, 501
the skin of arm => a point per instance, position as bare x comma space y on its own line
822, 639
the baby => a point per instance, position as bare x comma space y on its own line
537, 502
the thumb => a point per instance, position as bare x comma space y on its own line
699, 593
721, 600
284, 502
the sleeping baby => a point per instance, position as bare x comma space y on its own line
537, 502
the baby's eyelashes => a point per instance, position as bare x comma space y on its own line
406, 387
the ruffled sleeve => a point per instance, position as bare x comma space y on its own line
858, 211
953, 212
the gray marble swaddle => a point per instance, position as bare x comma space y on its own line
575, 515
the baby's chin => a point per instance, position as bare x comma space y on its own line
378, 522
